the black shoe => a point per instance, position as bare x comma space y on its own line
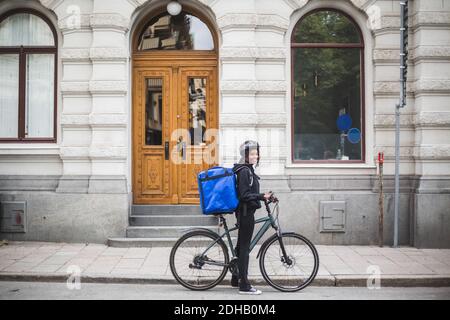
234, 281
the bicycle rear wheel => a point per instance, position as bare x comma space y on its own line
298, 271
194, 268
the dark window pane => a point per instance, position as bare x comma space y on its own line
326, 85
326, 27
180, 32
197, 110
153, 112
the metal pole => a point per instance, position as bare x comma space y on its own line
397, 166
381, 201
401, 104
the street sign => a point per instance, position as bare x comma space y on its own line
344, 122
354, 135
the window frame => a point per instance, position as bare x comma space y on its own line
295, 45
23, 51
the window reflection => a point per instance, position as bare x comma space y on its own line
153, 112
327, 85
197, 110
327, 102
326, 27
181, 32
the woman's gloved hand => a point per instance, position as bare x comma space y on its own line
268, 195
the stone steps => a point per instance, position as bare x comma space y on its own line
172, 220
162, 225
162, 231
163, 209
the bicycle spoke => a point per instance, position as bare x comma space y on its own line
189, 261
289, 276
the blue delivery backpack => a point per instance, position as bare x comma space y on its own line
218, 190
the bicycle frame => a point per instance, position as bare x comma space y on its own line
268, 222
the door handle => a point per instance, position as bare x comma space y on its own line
181, 146
166, 150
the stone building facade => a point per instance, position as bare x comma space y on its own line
81, 186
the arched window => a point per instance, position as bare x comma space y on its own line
181, 32
327, 88
28, 48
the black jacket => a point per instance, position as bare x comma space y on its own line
246, 193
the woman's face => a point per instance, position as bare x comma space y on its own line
253, 156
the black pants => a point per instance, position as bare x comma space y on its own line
246, 221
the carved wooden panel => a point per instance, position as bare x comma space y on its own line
153, 175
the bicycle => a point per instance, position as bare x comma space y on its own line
199, 260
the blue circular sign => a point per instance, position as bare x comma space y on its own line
344, 122
354, 135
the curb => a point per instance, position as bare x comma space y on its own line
86, 278
320, 281
395, 281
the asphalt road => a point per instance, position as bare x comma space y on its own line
88, 291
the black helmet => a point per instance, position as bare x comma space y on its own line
245, 148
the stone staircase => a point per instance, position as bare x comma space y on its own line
162, 225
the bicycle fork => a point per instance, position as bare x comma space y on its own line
285, 258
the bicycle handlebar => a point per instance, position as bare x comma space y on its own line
272, 199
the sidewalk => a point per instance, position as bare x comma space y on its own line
339, 265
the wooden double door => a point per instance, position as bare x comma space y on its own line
175, 121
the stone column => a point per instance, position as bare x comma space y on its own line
108, 87
252, 83
75, 132
430, 24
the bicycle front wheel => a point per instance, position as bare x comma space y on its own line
195, 266
291, 274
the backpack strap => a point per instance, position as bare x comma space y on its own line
251, 174
251, 177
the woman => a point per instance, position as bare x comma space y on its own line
249, 201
